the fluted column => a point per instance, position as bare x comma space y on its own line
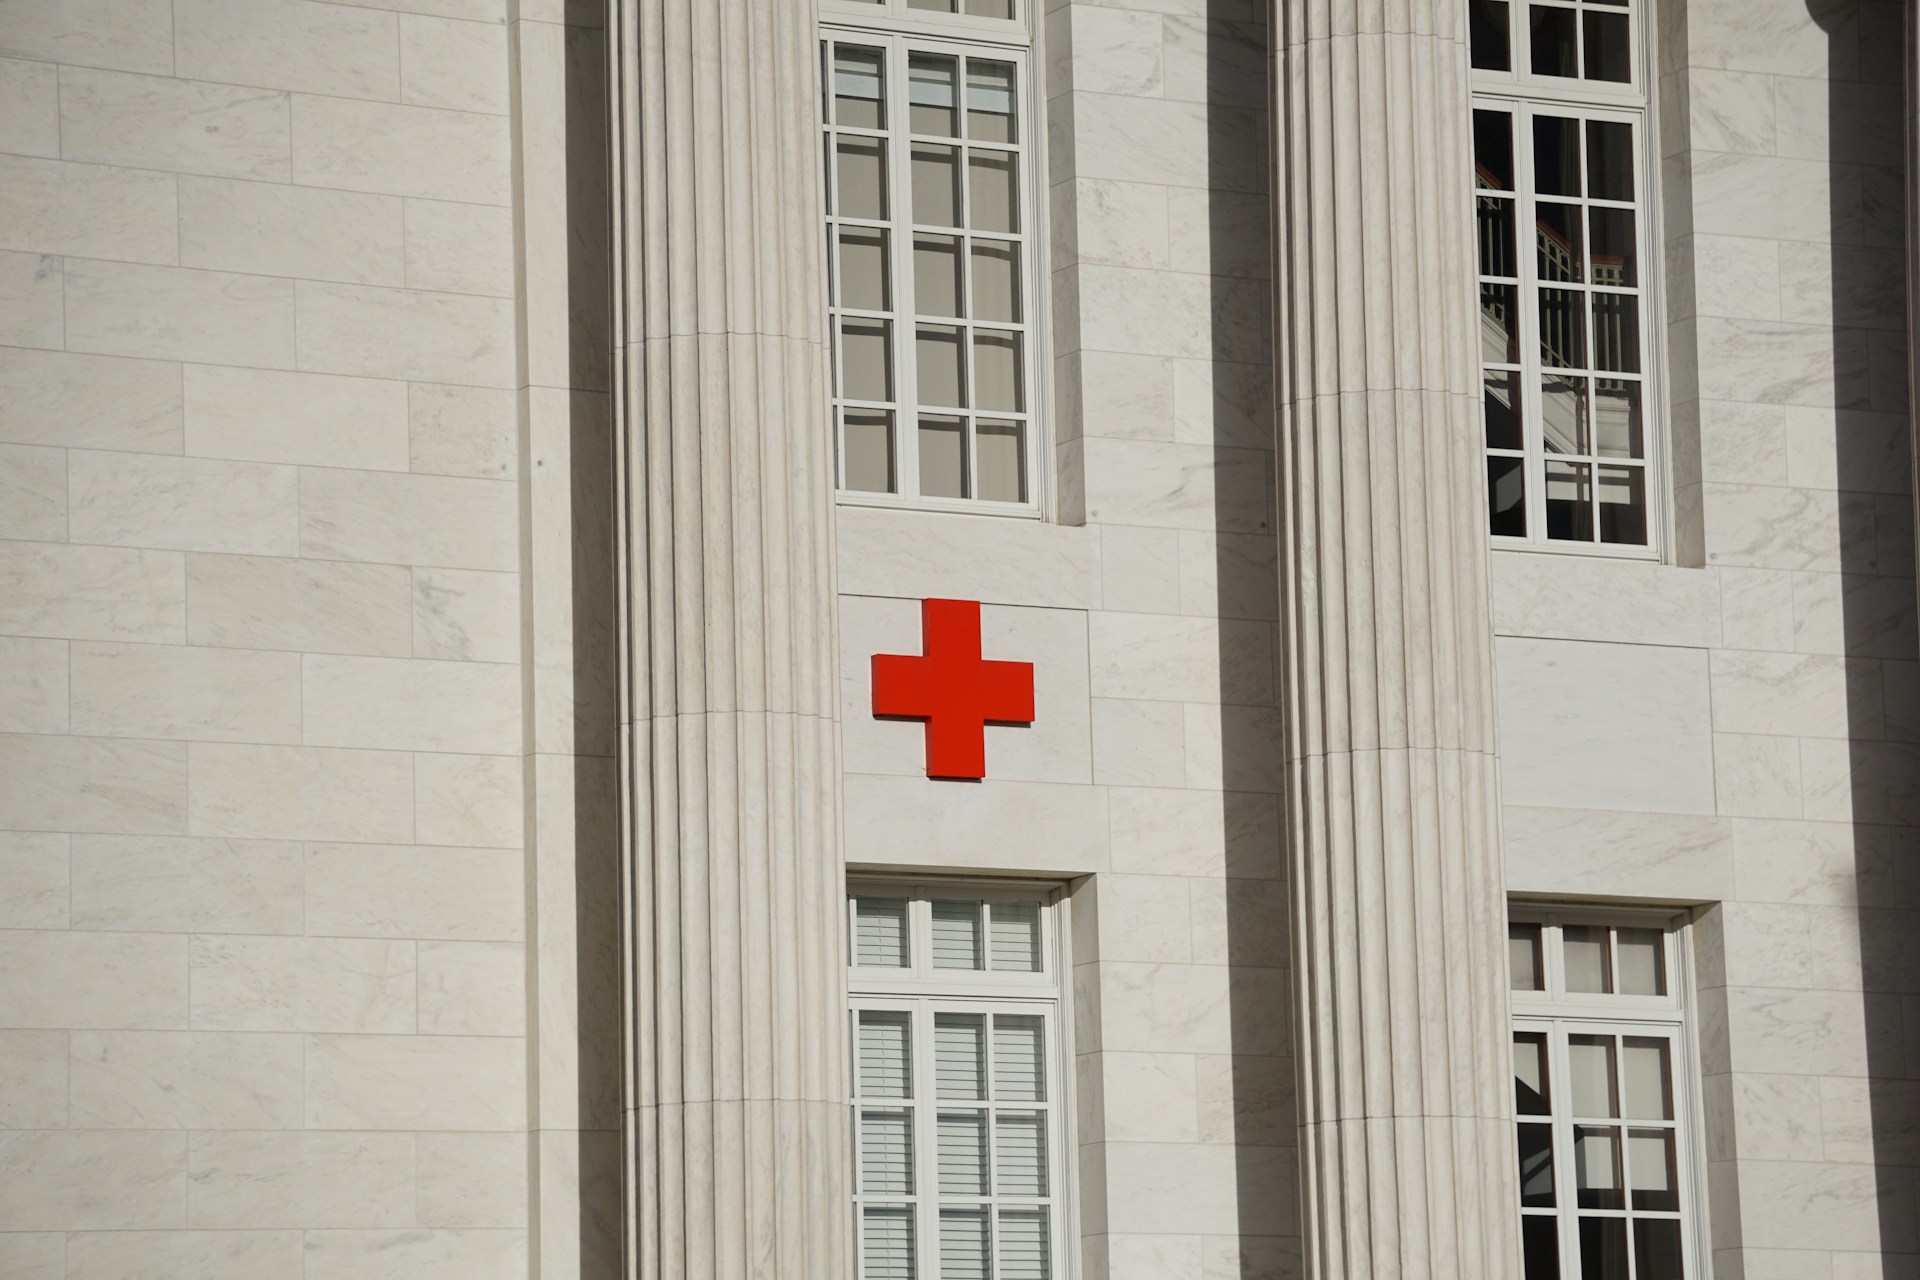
734, 898
1406, 1107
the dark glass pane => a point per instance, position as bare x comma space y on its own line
1506, 497
866, 447
1603, 1249
1611, 247
1524, 972
1563, 328
1563, 416
1540, 1246
1557, 230
1493, 149
1502, 408
1536, 1166
1556, 156
1551, 32
1616, 421
1656, 1250
1496, 237
1607, 47
1569, 502
1499, 324
1623, 505
1488, 32
1532, 1091
1616, 332
1609, 160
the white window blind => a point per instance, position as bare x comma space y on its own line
880, 932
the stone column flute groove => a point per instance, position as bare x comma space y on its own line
736, 1075
1400, 1001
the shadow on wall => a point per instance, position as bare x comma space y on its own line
1865, 157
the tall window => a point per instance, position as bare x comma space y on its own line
931, 199
1561, 173
959, 1084
1600, 1058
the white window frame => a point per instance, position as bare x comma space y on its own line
1559, 1013
1634, 102
901, 31
919, 990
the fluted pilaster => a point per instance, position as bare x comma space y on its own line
1400, 990
738, 1148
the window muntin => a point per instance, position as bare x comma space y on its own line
1566, 308
958, 1091
1603, 1117
933, 275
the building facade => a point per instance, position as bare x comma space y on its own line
938, 638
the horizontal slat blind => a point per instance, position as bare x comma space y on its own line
881, 933
1018, 1064
956, 935
1020, 1153
1024, 1250
963, 1153
886, 1153
886, 1055
959, 1055
886, 1243
963, 1245
1016, 937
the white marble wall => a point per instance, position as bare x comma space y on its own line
263, 887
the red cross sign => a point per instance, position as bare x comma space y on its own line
952, 689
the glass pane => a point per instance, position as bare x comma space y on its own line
996, 280
996, 371
1496, 237
1563, 324
1556, 156
1499, 324
943, 457
1622, 492
936, 275
1502, 409
1596, 1165
1488, 34
1540, 1247
960, 1056
885, 1053
1650, 1166
1616, 419
1609, 160
937, 351
1557, 232
886, 1243
1552, 35
956, 933
1608, 48
1002, 463
1563, 415
1506, 497
1590, 1075
963, 1153
859, 99
1493, 150
990, 100
866, 358
963, 1245
1643, 952
1614, 254
932, 94
936, 185
1616, 332
993, 190
1015, 930
1523, 957
863, 178
1020, 1153
1536, 1166
1603, 1249
1569, 501
1656, 1249
886, 1153
1018, 1074
866, 444
1531, 1094
1025, 1253
990, 8
935, 6
863, 269
1643, 1060
880, 932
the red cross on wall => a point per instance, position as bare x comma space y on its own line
953, 689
